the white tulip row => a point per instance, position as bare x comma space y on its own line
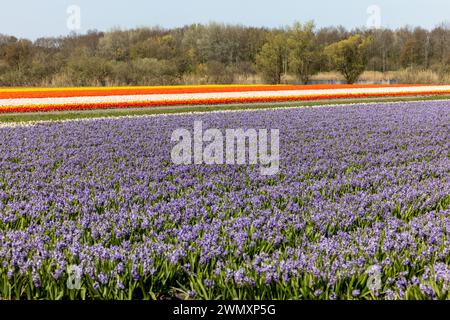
220, 95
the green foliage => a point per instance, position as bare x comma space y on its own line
270, 60
150, 71
219, 73
220, 53
115, 46
305, 55
85, 70
349, 56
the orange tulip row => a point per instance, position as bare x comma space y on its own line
209, 101
19, 93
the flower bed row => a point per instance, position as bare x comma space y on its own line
92, 98
15, 93
360, 208
193, 102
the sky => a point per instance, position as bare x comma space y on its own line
33, 19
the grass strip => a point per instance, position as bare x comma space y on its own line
87, 114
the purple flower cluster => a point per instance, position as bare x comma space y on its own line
358, 186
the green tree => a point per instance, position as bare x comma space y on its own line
115, 46
304, 52
272, 57
18, 54
85, 69
349, 56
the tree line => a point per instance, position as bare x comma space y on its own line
219, 53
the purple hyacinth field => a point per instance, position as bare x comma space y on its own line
360, 208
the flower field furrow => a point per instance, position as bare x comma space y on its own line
15, 93
190, 102
94, 98
361, 190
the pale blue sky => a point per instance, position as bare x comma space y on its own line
36, 18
